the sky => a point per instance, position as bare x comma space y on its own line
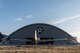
64, 14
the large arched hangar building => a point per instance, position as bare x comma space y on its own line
40, 33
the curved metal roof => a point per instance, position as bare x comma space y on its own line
47, 31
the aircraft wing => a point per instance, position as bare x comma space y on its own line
51, 40
45, 40
21, 40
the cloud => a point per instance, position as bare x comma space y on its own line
57, 21
21, 19
18, 19
76, 16
76, 34
29, 16
62, 20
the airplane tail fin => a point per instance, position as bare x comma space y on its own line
36, 38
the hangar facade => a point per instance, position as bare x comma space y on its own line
40, 34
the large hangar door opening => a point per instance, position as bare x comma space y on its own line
38, 40
41, 41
